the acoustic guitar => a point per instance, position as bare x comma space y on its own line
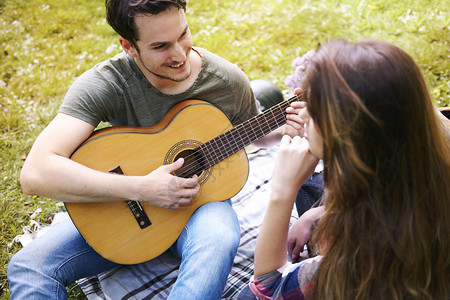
131, 232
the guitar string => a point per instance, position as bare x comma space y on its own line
272, 122
225, 140
278, 113
275, 118
224, 146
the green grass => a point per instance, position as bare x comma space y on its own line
44, 47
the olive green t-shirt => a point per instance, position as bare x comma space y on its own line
117, 92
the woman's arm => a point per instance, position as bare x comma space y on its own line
294, 165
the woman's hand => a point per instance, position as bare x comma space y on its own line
301, 231
294, 165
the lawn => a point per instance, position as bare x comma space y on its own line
44, 47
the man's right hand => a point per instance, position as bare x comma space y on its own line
161, 188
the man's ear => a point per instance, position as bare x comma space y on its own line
128, 47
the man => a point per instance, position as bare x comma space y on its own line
158, 68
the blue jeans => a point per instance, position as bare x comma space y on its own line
309, 193
207, 247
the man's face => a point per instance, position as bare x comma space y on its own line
165, 43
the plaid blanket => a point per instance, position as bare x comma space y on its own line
154, 279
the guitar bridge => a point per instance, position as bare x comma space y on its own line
139, 213
135, 206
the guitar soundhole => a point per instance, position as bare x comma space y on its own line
193, 163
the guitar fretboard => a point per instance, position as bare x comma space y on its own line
244, 134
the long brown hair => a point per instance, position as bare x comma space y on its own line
385, 233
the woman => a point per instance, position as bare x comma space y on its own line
384, 229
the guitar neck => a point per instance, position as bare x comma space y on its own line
245, 133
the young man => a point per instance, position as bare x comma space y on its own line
159, 68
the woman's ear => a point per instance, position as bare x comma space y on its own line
128, 47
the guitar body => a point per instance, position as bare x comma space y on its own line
110, 227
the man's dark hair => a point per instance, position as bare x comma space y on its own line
120, 14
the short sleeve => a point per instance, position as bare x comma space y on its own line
91, 98
292, 280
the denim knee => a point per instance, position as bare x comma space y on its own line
225, 231
227, 237
13, 266
26, 279
20, 262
